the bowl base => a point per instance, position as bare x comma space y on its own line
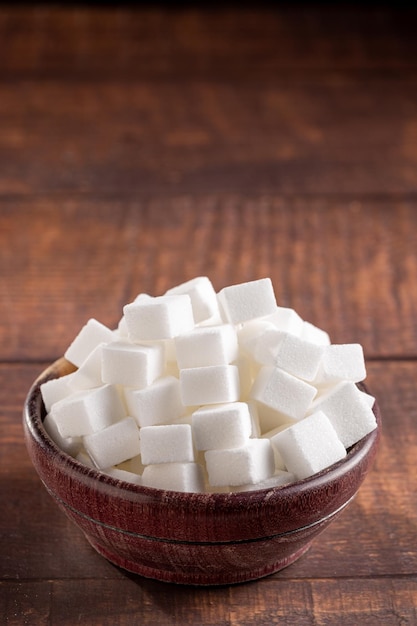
197, 578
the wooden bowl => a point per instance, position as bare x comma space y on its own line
192, 538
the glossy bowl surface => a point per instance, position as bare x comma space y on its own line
192, 538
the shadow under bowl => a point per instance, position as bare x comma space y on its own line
192, 538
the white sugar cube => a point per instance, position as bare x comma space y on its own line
341, 362
246, 301
55, 389
162, 317
88, 375
283, 392
70, 445
309, 446
85, 412
251, 463
287, 320
314, 334
119, 474
143, 297
370, 400
203, 297
290, 353
207, 345
114, 444
170, 443
209, 385
222, 426
174, 477
248, 333
159, 403
90, 336
349, 412
132, 365
121, 331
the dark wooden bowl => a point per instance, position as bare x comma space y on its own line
192, 538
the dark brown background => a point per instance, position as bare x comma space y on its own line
142, 146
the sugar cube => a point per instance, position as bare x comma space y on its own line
121, 331
88, 375
213, 384
249, 333
251, 463
113, 444
207, 345
286, 319
132, 365
368, 398
172, 443
186, 477
341, 362
91, 335
120, 474
70, 445
309, 446
56, 389
85, 412
348, 410
158, 403
312, 333
162, 317
290, 353
203, 297
246, 301
283, 392
221, 426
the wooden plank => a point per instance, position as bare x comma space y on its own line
134, 601
374, 537
203, 41
347, 266
318, 134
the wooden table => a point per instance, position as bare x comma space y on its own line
140, 147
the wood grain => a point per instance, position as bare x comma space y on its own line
374, 536
347, 266
296, 603
325, 134
141, 146
235, 41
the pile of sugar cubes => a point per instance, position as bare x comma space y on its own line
201, 391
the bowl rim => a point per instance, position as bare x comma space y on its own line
34, 413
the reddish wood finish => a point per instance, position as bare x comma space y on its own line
198, 539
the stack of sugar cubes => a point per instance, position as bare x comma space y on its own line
202, 391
